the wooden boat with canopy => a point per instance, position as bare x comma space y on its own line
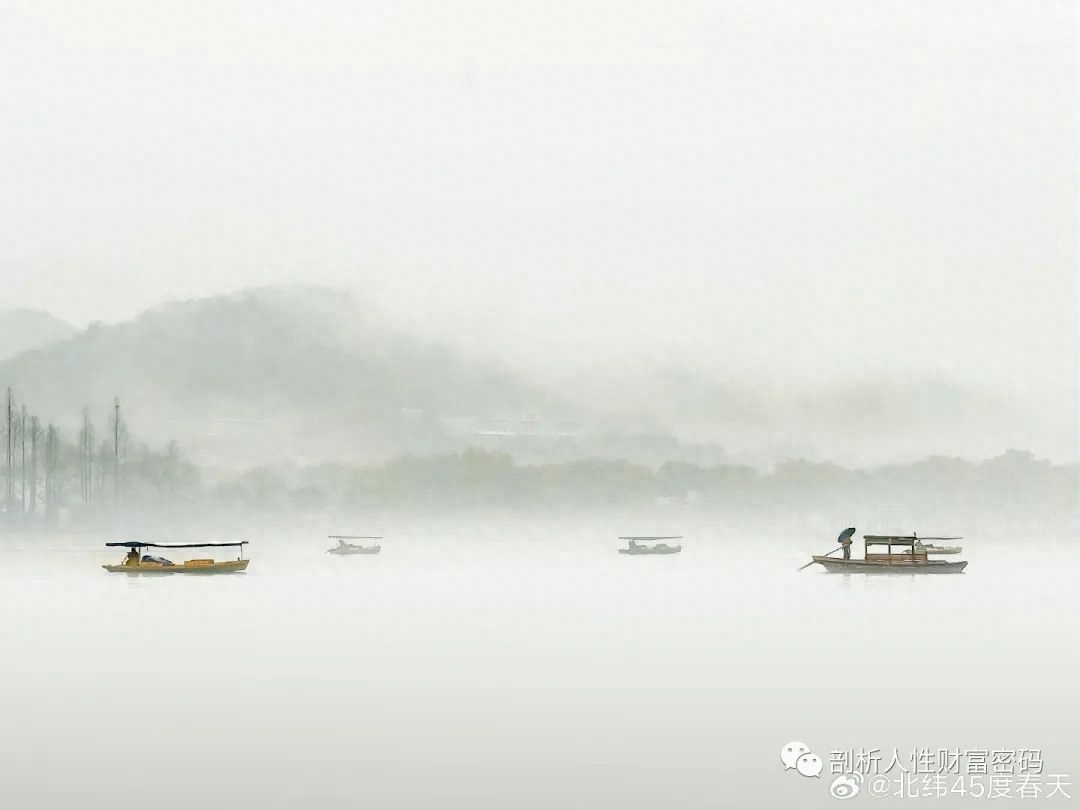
135, 562
345, 548
650, 545
901, 555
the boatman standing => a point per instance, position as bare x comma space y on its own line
845, 541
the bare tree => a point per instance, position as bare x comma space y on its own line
119, 437
86, 457
35, 443
22, 459
52, 464
9, 468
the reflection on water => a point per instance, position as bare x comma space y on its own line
513, 665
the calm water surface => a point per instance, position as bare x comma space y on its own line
515, 665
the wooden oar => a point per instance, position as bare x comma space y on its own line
797, 570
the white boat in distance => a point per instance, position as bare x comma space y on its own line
644, 544
346, 548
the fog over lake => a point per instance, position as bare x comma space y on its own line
508, 663
503, 281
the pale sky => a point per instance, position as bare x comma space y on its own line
818, 188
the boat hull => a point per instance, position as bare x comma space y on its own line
225, 567
841, 566
635, 552
345, 552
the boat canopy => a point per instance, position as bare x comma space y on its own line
900, 540
140, 544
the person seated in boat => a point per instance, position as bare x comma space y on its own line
132, 557
633, 544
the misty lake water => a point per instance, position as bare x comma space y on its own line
514, 664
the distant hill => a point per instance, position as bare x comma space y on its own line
268, 374
307, 374
25, 329
858, 422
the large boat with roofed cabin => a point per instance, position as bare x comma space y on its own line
902, 555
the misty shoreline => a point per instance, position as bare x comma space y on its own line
1001, 496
